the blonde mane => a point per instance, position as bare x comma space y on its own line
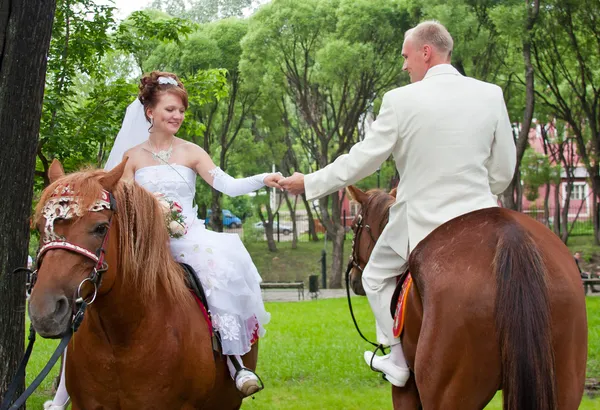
144, 256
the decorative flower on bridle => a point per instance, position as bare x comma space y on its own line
63, 204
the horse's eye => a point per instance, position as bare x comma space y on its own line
101, 230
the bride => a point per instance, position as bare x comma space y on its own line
167, 165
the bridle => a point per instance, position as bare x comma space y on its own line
80, 303
357, 228
354, 262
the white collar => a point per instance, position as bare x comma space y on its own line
441, 69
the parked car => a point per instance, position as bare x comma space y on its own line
229, 219
283, 228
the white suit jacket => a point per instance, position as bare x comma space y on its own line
452, 143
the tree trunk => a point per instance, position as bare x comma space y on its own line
595, 217
312, 230
523, 140
557, 223
216, 218
268, 224
25, 30
565, 211
292, 209
337, 256
336, 233
546, 206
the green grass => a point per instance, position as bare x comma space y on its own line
311, 358
289, 264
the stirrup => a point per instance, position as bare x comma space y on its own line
379, 347
255, 389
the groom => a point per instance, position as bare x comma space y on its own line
452, 143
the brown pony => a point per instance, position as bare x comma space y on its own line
497, 303
144, 343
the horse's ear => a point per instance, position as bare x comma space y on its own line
56, 171
356, 194
393, 192
113, 176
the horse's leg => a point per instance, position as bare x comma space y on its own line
457, 362
227, 396
450, 375
569, 336
407, 397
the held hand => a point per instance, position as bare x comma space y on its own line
272, 180
294, 184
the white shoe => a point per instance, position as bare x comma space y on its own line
49, 406
393, 373
247, 382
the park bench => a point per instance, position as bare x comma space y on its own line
285, 285
587, 283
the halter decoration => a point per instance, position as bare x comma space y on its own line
63, 204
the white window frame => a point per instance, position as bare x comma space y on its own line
586, 210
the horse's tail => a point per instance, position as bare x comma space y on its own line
523, 323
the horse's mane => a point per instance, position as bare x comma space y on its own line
143, 242
380, 199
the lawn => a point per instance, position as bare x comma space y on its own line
311, 358
289, 264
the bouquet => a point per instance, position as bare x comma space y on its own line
174, 218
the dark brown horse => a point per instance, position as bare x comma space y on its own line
144, 343
497, 303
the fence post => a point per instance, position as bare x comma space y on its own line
278, 238
324, 268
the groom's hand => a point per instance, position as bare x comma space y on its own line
294, 184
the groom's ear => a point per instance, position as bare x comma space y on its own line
110, 179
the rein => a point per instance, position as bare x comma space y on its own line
79, 306
354, 263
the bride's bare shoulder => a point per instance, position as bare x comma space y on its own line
135, 151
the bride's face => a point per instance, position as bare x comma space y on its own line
168, 114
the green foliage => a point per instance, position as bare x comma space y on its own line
204, 11
79, 41
241, 206
536, 171
145, 30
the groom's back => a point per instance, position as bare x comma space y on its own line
447, 125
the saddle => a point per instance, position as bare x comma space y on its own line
193, 283
398, 304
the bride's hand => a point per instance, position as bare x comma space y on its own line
272, 180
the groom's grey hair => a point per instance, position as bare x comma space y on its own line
432, 32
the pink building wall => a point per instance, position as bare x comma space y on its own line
581, 198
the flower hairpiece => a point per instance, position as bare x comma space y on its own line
167, 80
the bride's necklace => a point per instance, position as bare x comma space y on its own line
161, 156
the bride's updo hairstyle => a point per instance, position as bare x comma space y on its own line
153, 85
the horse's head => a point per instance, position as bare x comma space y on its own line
73, 217
367, 227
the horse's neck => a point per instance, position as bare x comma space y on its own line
123, 315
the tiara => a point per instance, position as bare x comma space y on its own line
167, 80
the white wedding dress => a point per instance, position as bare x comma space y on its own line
227, 273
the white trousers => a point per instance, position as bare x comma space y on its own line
379, 282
